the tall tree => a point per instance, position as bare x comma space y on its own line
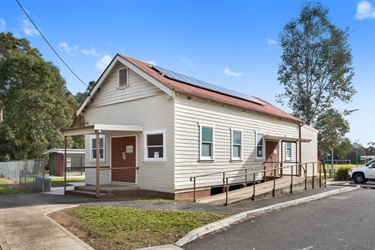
33, 93
332, 128
316, 63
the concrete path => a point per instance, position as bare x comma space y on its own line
24, 224
30, 228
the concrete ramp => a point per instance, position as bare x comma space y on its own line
262, 190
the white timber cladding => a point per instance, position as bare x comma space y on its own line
310, 149
190, 112
154, 112
90, 173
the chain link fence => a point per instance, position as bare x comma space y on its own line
28, 172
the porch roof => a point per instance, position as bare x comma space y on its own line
92, 129
284, 138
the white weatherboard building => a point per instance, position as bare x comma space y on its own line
157, 128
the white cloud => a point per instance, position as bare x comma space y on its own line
2, 25
91, 52
66, 47
103, 62
152, 62
229, 72
365, 11
188, 62
271, 42
29, 29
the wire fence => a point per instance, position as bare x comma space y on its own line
23, 172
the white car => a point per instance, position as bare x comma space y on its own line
363, 174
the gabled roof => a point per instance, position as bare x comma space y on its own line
161, 80
62, 151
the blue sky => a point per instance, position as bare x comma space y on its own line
233, 44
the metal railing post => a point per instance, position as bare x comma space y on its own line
320, 175
253, 186
223, 182
325, 177
195, 199
245, 177
313, 176
226, 192
274, 183
305, 172
291, 180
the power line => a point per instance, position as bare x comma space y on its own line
45, 39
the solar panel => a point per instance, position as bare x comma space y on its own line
199, 83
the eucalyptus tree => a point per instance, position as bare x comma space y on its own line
316, 68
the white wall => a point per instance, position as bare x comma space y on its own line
140, 104
310, 149
189, 113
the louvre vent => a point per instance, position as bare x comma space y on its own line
123, 77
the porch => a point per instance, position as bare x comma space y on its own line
120, 172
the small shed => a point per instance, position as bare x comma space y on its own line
75, 158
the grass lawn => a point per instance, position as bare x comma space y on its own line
59, 181
8, 187
126, 228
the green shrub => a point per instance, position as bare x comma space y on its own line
342, 174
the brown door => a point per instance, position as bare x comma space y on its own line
123, 159
272, 157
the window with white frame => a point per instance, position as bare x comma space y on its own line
259, 146
288, 151
154, 145
123, 78
93, 147
236, 144
206, 142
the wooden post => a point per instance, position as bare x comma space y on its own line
65, 157
97, 163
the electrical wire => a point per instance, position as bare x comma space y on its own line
45, 39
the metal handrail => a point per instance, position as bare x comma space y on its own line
261, 171
194, 178
302, 167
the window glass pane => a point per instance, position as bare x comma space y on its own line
155, 152
206, 134
101, 141
237, 137
237, 151
93, 143
94, 154
259, 151
207, 149
260, 139
155, 140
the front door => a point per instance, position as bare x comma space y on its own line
123, 159
272, 157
